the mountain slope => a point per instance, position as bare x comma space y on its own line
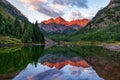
108, 15
109, 34
60, 25
15, 25
10, 10
105, 25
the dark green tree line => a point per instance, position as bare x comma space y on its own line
26, 31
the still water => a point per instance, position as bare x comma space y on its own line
58, 63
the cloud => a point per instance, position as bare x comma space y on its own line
77, 3
49, 11
33, 1
75, 15
43, 7
57, 6
53, 8
32, 8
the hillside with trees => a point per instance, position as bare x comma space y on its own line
15, 25
105, 26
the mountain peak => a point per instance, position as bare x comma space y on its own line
49, 21
60, 20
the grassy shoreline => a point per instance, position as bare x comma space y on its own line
113, 46
9, 41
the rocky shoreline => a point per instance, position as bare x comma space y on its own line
49, 43
112, 47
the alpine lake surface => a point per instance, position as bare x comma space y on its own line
58, 63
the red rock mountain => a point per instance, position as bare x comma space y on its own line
51, 20
82, 22
60, 20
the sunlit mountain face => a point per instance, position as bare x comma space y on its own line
60, 20
60, 25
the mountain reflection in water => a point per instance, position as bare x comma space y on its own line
68, 72
58, 64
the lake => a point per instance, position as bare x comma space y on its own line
59, 63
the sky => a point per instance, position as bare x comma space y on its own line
41, 10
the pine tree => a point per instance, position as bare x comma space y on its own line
38, 36
28, 34
26, 23
1, 24
9, 26
17, 30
